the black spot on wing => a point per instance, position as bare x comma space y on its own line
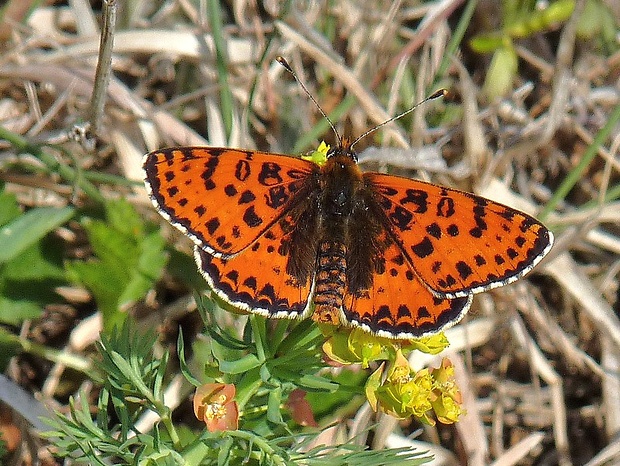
424, 248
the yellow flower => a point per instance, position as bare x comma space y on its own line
395, 387
406, 393
448, 399
447, 409
434, 344
353, 346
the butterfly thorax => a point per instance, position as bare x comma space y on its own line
341, 181
344, 257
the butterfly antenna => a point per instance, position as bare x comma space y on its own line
288, 68
435, 95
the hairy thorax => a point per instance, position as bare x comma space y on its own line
344, 233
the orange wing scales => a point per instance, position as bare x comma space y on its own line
399, 305
256, 279
223, 199
457, 242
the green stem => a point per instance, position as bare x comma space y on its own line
457, 37
261, 443
309, 139
258, 328
23, 146
60, 357
214, 17
167, 421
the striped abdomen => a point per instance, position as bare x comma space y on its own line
330, 282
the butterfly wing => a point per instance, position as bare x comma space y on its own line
458, 243
257, 280
224, 199
398, 305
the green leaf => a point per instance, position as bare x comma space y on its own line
9, 347
274, 413
224, 455
14, 312
315, 382
182, 363
129, 372
25, 230
41, 261
502, 72
521, 19
535, 21
122, 217
151, 262
239, 366
27, 282
9, 208
183, 268
128, 261
590, 20
117, 251
305, 334
488, 42
152, 258
104, 285
350, 391
598, 20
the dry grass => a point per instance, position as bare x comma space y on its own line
538, 360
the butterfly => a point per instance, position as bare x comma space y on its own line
283, 237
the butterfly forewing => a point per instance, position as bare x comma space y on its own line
224, 199
457, 242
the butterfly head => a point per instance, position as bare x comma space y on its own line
343, 149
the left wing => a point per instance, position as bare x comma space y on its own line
224, 199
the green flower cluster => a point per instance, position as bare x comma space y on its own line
394, 387
319, 156
405, 392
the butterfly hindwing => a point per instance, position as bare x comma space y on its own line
398, 304
256, 280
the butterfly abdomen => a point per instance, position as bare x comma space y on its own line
330, 281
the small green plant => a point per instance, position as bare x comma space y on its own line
246, 414
129, 258
30, 264
520, 19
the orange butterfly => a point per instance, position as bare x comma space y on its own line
282, 237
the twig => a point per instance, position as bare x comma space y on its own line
470, 428
104, 65
520, 450
565, 271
